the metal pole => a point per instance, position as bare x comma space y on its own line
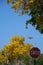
34, 61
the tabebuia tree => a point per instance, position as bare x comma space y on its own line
30, 7
16, 50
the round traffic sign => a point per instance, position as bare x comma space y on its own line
35, 52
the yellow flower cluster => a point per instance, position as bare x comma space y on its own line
16, 49
9, 1
18, 3
17, 38
15, 5
31, 1
1, 57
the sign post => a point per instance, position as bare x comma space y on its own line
35, 53
34, 61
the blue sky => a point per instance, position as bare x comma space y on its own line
11, 24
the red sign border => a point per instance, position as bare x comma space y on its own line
35, 55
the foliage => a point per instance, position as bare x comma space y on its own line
36, 11
16, 49
40, 60
27, 60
